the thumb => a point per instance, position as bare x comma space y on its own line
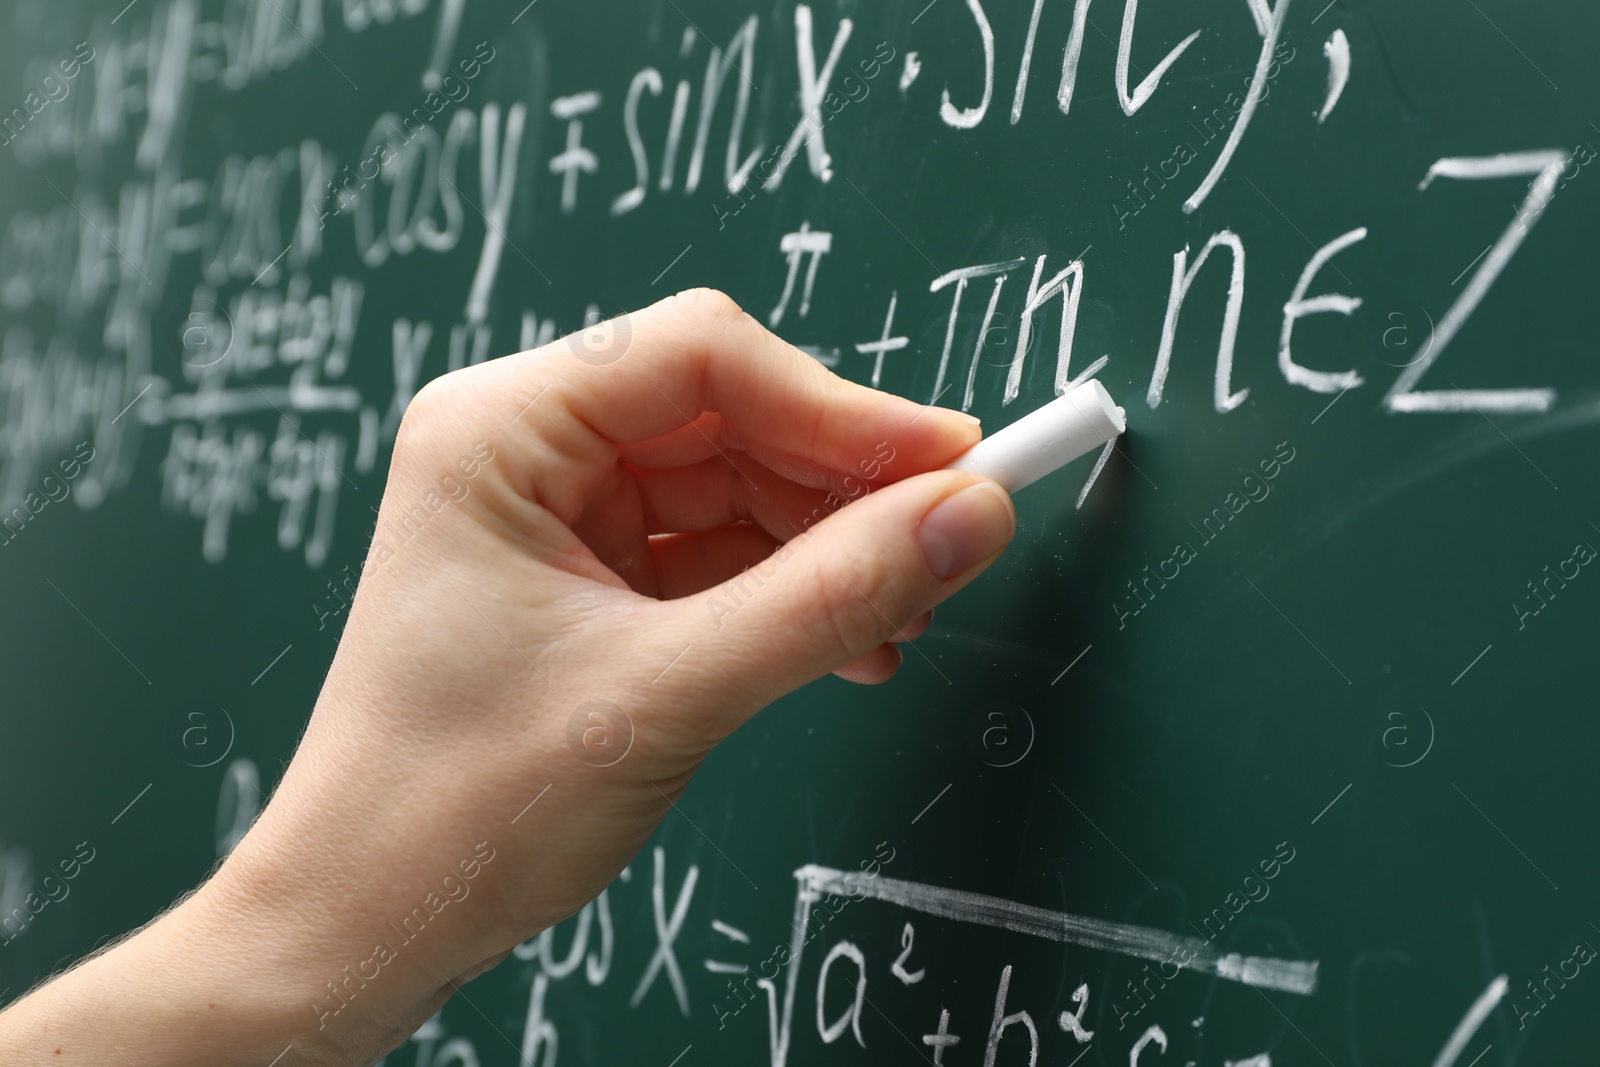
843, 586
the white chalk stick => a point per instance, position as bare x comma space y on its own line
1074, 424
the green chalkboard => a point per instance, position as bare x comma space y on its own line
1275, 741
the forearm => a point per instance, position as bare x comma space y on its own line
182, 990
208, 983
317, 940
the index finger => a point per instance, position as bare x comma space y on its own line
700, 352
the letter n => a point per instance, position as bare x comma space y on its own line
1183, 276
1068, 284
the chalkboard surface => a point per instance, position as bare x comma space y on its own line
1271, 740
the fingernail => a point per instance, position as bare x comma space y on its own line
966, 528
972, 420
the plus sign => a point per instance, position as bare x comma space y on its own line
884, 344
942, 1040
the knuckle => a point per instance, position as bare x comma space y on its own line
425, 408
847, 613
711, 306
435, 418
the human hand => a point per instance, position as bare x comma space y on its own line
555, 626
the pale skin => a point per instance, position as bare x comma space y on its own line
602, 538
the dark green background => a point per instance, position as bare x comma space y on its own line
1220, 722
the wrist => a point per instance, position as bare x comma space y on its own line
302, 934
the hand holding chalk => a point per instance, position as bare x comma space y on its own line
1079, 421
622, 589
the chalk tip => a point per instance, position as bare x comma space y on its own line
1117, 416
